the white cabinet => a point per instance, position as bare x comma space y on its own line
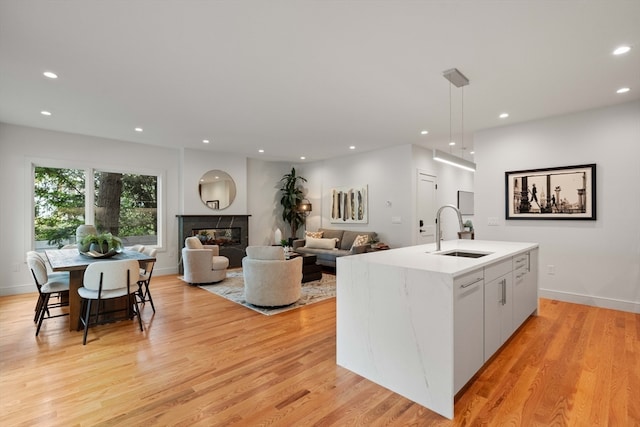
525, 286
468, 327
498, 306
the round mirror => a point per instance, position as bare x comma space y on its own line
217, 189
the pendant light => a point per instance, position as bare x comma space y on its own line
458, 79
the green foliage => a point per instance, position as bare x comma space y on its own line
60, 204
291, 196
107, 240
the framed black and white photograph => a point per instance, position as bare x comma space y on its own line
349, 205
567, 192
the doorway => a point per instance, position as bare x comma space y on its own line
426, 207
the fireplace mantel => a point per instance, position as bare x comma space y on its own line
238, 225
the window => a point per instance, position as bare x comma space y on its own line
59, 205
121, 203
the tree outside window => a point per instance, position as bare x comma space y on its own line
125, 205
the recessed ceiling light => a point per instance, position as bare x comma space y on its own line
623, 90
472, 152
452, 143
504, 115
621, 50
205, 141
303, 158
45, 113
352, 147
138, 129
50, 74
261, 151
424, 132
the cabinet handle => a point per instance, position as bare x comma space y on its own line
504, 291
472, 283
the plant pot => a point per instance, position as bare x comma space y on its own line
103, 248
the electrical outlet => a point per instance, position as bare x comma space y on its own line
16, 267
551, 269
493, 220
396, 220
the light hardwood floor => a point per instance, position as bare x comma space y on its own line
203, 360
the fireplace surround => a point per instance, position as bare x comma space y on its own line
229, 232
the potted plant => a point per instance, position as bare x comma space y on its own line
291, 196
102, 243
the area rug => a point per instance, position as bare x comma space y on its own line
232, 288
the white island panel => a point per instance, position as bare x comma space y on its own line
395, 317
395, 327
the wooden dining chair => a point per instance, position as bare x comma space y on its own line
106, 280
144, 294
47, 286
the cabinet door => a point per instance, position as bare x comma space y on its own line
468, 345
498, 313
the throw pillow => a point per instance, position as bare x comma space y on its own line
360, 240
312, 243
314, 234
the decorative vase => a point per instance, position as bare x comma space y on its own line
277, 236
103, 248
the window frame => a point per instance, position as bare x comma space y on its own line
89, 201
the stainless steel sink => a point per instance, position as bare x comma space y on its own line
464, 254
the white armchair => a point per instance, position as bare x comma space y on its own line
270, 280
203, 263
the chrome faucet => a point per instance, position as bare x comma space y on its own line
438, 230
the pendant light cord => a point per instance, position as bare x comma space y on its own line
450, 119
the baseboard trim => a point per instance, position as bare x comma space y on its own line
614, 304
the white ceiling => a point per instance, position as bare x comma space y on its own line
305, 77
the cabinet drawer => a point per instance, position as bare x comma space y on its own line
494, 271
521, 261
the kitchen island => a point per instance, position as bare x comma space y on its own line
422, 322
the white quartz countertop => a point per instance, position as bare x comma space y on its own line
425, 257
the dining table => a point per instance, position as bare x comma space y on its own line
76, 263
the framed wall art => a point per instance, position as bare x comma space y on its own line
349, 205
553, 193
465, 202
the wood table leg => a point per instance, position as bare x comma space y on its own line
75, 283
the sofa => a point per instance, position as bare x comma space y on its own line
327, 251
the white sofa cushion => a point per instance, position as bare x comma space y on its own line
312, 243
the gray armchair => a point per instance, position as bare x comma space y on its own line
270, 280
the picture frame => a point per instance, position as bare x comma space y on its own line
465, 202
349, 205
557, 193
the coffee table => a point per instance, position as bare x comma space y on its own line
310, 270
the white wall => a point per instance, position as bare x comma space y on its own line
264, 200
391, 177
388, 175
450, 180
195, 163
596, 262
22, 146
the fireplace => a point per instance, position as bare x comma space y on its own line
229, 232
231, 236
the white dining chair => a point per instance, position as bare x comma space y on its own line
47, 286
105, 280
